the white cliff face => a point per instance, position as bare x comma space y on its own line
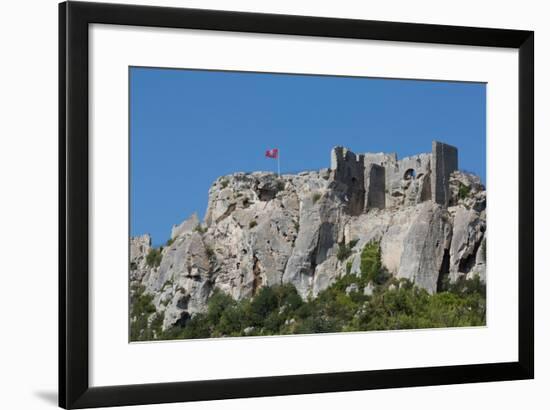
263, 230
139, 248
424, 244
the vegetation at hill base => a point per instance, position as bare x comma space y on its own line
345, 306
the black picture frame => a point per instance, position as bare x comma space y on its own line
74, 387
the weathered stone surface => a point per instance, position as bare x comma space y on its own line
316, 241
190, 296
424, 245
379, 180
352, 288
405, 181
444, 162
375, 186
480, 264
468, 233
252, 243
139, 248
186, 257
348, 169
466, 190
186, 226
263, 230
325, 274
182, 283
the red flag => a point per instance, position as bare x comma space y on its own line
272, 153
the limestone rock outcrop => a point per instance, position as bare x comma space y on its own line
424, 246
261, 229
139, 248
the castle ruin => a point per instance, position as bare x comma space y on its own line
380, 180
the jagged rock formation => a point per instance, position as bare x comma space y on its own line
262, 230
139, 248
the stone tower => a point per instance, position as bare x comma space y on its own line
349, 170
444, 162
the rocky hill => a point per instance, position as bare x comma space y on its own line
310, 229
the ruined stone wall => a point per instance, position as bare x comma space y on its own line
403, 180
375, 187
379, 180
380, 158
389, 163
444, 162
419, 163
348, 169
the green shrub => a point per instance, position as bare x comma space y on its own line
279, 309
224, 183
288, 296
263, 304
217, 304
371, 264
344, 252
141, 307
168, 283
463, 191
408, 307
252, 224
465, 286
315, 197
154, 257
210, 254
170, 241
197, 328
231, 321
200, 229
156, 324
444, 282
315, 324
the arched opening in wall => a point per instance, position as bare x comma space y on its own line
409, 174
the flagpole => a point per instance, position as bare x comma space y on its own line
279, 163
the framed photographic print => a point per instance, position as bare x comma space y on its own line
257, 204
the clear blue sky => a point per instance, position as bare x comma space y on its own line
188, 127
